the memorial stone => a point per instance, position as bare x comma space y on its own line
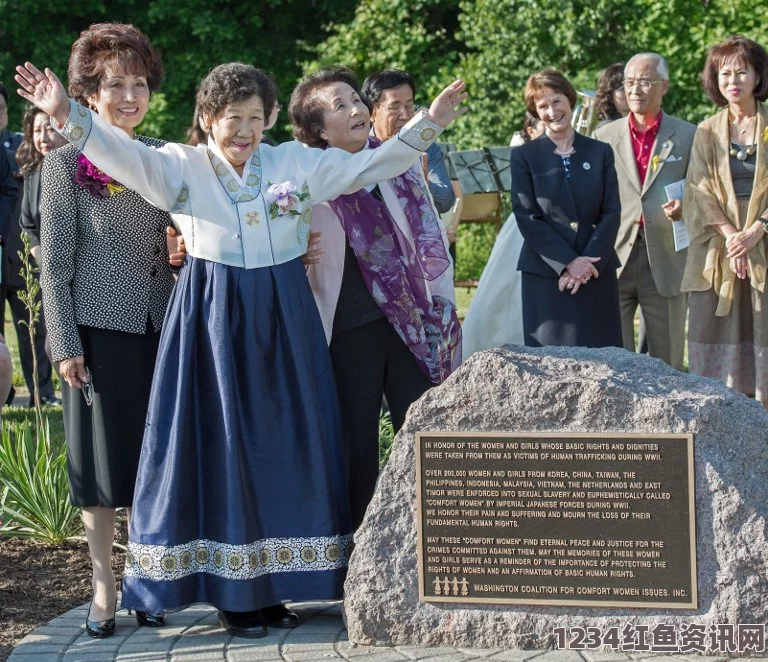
571, 391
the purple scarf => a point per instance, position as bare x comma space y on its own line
397, 275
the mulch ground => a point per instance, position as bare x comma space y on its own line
38, 583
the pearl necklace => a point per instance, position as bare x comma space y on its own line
744, 154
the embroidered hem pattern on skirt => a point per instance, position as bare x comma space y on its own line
237, 561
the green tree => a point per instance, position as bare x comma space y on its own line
416, 35
506, 40
192, 35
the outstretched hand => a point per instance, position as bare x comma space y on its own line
44, 90
447, 105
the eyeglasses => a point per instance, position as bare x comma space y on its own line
397, 108
644, 83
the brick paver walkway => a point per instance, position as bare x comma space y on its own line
194, 635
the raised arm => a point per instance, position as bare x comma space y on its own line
156, 174
333, 172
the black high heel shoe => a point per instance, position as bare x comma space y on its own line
152, 619
100, 629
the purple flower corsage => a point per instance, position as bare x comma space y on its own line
93, 180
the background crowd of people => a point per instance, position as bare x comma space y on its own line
231, 402
665, 173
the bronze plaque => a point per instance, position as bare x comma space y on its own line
567, 519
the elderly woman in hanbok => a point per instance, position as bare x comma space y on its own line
383, 284
241, 497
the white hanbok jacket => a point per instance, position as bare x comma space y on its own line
228, 218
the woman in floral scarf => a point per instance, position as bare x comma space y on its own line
383, 285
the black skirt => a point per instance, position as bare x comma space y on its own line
104, 439
589, 318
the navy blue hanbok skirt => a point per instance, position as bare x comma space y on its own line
241, 499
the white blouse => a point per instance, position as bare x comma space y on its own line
231, 219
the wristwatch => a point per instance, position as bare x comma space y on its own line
764, 221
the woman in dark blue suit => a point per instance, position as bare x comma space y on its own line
565, 197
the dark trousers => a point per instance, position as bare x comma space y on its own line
20, 314
369, 362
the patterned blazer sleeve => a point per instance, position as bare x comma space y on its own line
58, 240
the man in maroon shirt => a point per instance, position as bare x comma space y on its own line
652, 150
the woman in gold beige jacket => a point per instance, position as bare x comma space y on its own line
726, 212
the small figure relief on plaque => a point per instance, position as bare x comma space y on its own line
451, 586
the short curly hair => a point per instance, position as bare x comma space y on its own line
306, 110
114, 45
740, 48
548, 79
234, 82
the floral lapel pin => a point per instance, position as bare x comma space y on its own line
93, 180
284, 199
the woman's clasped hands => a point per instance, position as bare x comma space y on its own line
738, 245
577, 273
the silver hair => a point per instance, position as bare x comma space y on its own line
661, 64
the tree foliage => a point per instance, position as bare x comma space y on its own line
193, 36
493, 44
416, 35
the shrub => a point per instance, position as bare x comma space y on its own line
34, 491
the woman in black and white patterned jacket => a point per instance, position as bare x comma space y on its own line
106, 284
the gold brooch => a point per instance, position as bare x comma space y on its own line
427, 134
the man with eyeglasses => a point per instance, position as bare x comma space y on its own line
652, 150
390, 95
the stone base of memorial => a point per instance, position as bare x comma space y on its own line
538, 491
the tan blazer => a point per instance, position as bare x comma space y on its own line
709, 188
670, 155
